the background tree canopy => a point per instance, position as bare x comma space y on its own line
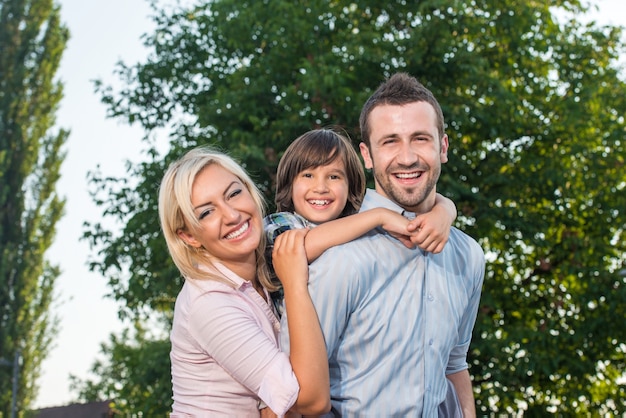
32, 41
535, 113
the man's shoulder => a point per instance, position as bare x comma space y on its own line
463, 238
465, 246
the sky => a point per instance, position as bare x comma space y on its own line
103, 33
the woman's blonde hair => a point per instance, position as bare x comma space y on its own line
176, 213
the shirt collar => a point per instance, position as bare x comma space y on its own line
373, 199
221, 270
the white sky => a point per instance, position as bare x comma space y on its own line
104, 32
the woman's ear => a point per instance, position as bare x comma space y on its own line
188, 238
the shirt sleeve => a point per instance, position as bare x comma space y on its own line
274, 225
233, 336
458, 357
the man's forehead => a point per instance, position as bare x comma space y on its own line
403, 120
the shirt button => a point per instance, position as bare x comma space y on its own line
431, 341
431, 297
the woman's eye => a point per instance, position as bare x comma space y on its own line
234, 193
204, 214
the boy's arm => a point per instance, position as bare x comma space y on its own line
342, 230
430, 231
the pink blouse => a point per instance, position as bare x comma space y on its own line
225, 355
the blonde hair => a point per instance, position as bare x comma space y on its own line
176, 213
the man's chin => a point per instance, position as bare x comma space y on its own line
409, 199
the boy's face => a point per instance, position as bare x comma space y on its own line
320, 194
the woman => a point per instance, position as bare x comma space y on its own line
225, 356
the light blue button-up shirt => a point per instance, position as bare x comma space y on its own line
395, 320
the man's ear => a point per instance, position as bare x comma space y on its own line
365, 153
188, 238
443, 154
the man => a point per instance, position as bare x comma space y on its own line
398, 322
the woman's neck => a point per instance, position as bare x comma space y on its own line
244, 269
247, 270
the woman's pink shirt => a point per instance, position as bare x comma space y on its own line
225, 355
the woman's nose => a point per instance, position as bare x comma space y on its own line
231, 214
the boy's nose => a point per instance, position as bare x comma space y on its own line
321, 186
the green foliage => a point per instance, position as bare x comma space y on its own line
535, 112
133, 376
32, 40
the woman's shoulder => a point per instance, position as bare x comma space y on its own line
197, 288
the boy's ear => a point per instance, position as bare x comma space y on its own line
365, 153
188, 238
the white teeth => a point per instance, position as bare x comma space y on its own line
238, 232
319, 202
408, 175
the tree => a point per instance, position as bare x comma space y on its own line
32, 40
534, 106
133, 376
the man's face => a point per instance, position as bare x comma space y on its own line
406, 154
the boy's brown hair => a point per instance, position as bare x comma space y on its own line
313, 149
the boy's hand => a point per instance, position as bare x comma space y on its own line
396, 225
430, 232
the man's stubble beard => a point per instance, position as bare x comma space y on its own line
408, 198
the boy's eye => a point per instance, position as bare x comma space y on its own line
307, 175
335, 177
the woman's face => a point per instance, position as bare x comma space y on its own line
230, 222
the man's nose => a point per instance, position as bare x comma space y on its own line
407, 156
